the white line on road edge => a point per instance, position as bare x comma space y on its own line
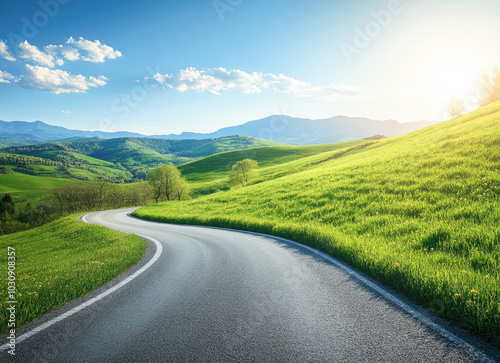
395, 300
407, 308
159, 250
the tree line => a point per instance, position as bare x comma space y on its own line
14, 220
74, 197
25, 160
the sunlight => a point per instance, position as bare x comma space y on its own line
453, 77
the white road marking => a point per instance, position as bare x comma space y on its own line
408, 309
405, 307
159, 250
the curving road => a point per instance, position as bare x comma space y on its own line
207, 294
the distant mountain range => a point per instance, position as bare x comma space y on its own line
300, 131
278, 128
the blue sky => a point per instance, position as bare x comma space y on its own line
160, 67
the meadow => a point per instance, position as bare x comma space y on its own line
62, 261
419, 212
210, 174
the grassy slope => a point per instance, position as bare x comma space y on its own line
28, 188
80, 166
62, 261
211, 173
419, 212
229, 143
16, 182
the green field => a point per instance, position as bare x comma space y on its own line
62, 261
18, 182
419, 212
25, 188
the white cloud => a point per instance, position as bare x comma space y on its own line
57, 81
66, 51
216, 80
4, 52
6, 77
31, 52
73, 50
43, 78
66, 112
97, 52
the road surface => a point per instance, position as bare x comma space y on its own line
206, 294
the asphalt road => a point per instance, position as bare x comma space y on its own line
220, 295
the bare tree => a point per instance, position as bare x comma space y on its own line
456, 107
488, 90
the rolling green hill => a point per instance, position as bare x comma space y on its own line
29, 172
133, 155
420, 212
60, 164
211, 173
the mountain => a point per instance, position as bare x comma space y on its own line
300, 131
278, 128
39, 131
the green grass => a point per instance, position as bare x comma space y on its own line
29, 188
63, 261
17, 182
419, 212
211, 173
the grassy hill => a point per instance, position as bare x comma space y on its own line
420, 212
59, 164
29, 172
211, 173
123, 158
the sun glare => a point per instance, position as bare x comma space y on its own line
454, 77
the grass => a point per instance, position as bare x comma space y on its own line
63, 261
17, 182
419, 212
25, 188
211, 173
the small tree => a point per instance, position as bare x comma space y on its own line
171, 177
156, 181
243, 172
166, 180
456, 107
